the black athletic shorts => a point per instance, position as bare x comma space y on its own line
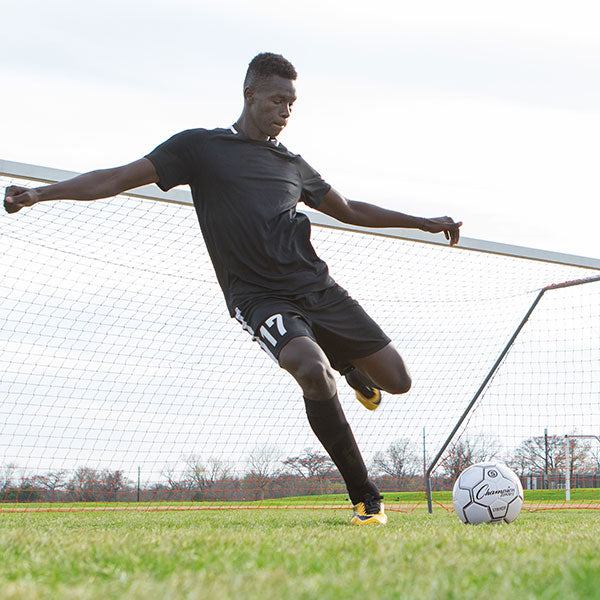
331, 318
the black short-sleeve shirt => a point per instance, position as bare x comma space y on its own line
245, 193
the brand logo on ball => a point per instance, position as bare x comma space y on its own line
492, 473
484, 491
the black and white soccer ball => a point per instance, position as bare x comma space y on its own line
487, 492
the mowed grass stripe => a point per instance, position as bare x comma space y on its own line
296, 554
402, 501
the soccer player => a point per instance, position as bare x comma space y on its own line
246, 187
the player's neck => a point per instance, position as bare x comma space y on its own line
246, 126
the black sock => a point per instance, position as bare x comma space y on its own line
329, 424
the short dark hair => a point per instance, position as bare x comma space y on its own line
264, 65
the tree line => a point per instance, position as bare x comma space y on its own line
267, 475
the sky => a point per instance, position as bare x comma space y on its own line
487, 112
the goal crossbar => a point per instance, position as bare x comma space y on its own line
183, 196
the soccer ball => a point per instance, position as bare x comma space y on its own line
487, 492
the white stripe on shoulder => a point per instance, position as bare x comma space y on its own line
233, 129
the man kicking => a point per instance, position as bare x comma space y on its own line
246, 187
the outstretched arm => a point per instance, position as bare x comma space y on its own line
369, 215
94, 185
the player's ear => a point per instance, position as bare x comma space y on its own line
248, 95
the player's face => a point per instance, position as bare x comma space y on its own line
270, 106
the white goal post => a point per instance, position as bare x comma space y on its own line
124, 380
36, 173
569, 459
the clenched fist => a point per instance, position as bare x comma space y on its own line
16, 197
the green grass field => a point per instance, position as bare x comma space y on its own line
296, 553
406, 501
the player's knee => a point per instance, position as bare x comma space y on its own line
316, 379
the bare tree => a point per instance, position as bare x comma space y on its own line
205, 475
217, 469
312, 464
468, 451
112, 484
83, 485
15, 487
399, 461
7, 476
264, 463
52, 481
174, 482
593, 461
92, 485
536, 454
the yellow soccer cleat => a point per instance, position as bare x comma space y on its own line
369, 512
366, 392
369, 403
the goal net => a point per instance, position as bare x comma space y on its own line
126, 384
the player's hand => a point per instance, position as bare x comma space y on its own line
16, 197
450, 228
